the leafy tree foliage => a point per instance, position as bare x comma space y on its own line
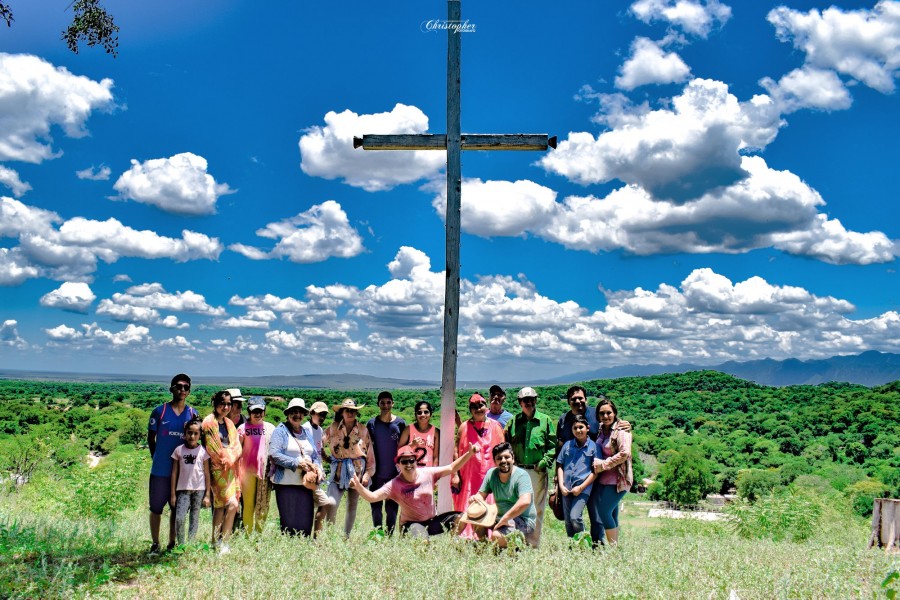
753, 484
91, 24
686, 478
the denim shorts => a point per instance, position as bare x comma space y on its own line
518, 524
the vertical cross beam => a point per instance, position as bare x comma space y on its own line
453, 142
451, 284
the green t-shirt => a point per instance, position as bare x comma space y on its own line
507, 494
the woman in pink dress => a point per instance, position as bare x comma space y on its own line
484, 432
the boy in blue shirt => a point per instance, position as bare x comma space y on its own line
165, 432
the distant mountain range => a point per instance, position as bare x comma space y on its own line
869, 368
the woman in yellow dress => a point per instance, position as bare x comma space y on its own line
220, 439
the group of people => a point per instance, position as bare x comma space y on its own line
499, 469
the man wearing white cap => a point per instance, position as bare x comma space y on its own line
532, 435
237, 403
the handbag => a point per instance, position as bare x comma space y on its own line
555, 501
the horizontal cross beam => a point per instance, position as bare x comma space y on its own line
469, 141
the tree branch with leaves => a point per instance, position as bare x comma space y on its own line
91, 24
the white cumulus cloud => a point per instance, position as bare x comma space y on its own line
765, 208
127, 313
101, 173
675, 153
650, 64
11, 179
498, 208
9, 334
36, 96
178, 184
320, 233
808, 88
63, 333
71, 252
691, 16
71, 296
328, 151
863, 44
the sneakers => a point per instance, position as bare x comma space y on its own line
154, 549
224, 548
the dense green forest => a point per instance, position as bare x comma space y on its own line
697, 432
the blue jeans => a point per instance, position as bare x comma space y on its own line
603, 510
573, 511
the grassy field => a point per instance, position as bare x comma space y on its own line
66, 557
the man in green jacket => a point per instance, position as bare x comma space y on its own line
532, 435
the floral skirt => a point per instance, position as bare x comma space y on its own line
225, 485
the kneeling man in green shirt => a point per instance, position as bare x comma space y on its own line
513, 495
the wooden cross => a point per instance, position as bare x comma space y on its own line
453, 142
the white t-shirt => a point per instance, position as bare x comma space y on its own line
316, 434
190, 468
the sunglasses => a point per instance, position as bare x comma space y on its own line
296, 413
226, 404
407, 461
477, 406
257, 411
182, 386
346, 441
423, 412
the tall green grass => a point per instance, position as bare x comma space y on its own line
68, 556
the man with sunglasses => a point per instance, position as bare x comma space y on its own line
385, 431
413, 490
165, 432
533, 439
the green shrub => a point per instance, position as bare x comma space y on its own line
686, 477
789, 515
862, 495
110, 488
753, 484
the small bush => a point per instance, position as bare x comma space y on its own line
753, 484
862, 495
790, 515
104, 492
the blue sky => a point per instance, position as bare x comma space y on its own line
724, 188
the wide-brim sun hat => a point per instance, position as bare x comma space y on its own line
480, 513
318, 407
347, 404
296, 403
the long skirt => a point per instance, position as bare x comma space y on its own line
295, 508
